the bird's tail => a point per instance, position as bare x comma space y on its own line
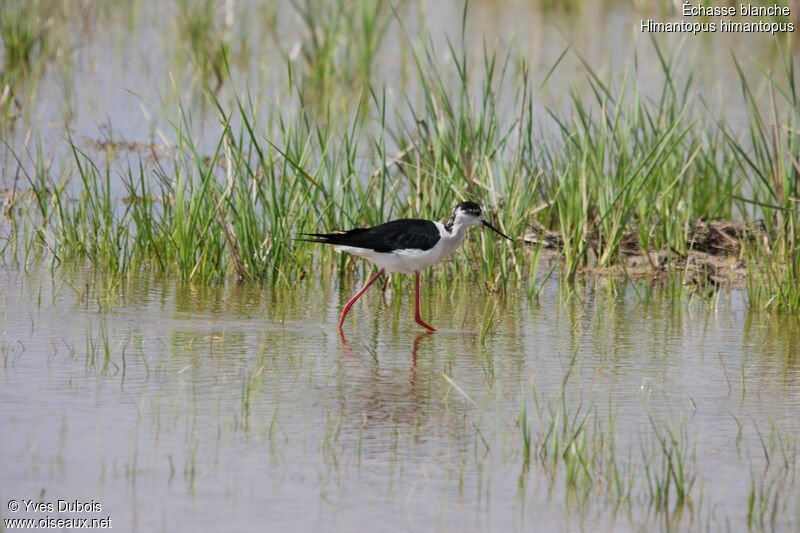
324, 238
331, 238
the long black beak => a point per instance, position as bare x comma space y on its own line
495, 230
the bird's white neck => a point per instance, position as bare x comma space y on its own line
452, 236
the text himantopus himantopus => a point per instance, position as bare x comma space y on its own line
406, 246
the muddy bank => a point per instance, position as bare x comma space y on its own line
714, 256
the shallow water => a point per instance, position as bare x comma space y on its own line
239, 408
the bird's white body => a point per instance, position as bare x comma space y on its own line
410, 260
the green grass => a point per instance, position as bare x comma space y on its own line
769, 157
24, 32
204, 40
613, 163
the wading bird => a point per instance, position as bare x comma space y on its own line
406, 246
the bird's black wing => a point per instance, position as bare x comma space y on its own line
395, 235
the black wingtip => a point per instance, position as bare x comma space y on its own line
319, 237
336, 238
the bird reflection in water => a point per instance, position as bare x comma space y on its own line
347, 348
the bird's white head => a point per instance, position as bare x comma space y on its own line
468, 214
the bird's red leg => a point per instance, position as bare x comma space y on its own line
417, 316
349, 304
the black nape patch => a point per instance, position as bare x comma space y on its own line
470, 208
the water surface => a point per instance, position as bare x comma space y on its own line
239, 407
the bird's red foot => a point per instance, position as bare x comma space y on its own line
424, 325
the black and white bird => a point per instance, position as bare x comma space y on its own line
406, 246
